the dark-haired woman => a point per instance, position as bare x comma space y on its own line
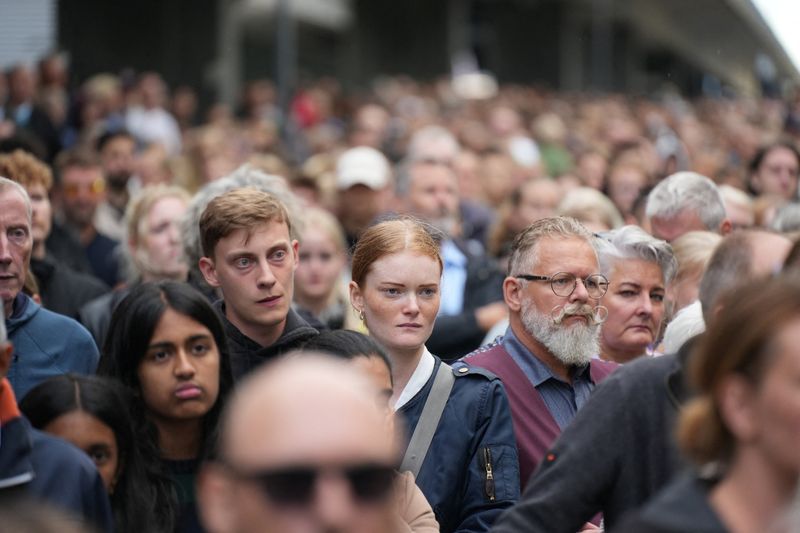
93, 414
167, 345
774, 171
743, 427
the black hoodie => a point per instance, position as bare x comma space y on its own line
246, 354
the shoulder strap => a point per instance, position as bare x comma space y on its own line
428, 420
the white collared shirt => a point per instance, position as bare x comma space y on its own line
419, 378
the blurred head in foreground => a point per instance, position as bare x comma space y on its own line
304, 448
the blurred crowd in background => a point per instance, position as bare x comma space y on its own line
617, 144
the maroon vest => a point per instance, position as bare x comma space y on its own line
534, 427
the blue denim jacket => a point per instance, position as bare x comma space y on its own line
471, 472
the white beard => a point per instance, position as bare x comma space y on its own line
572, 345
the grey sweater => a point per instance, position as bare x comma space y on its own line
617, 452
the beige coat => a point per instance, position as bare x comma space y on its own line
414, 510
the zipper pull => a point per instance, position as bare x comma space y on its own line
489, 484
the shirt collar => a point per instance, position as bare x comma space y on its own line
452, 255
419, 378
532, 366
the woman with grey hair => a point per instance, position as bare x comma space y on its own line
639, 269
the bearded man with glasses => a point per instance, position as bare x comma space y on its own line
546, 359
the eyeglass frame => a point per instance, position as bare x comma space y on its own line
534, 277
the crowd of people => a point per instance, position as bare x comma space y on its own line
395, 310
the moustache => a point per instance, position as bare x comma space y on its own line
594, 315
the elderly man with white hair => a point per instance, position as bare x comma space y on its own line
46, 343
39, 467
683, 202
546, 357
629, 420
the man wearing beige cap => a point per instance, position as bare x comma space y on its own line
363, 183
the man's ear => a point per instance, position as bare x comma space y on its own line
512, 293
356, 298
215, 498
6, 351
209, 271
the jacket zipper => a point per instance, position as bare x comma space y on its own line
489, 484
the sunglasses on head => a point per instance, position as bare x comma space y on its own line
295, 485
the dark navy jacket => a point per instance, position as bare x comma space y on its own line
471, 472
38, 466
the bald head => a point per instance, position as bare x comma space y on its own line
306, 408
743, 255
303, 416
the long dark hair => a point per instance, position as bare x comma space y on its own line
143, 498
132, 325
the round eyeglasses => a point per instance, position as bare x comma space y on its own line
564, 283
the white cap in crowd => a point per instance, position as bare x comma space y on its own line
362, 166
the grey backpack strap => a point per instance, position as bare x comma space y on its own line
428, 420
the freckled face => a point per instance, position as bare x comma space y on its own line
400, 300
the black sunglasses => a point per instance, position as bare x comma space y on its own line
294, 485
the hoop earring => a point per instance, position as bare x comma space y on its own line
600, 314
361, 316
